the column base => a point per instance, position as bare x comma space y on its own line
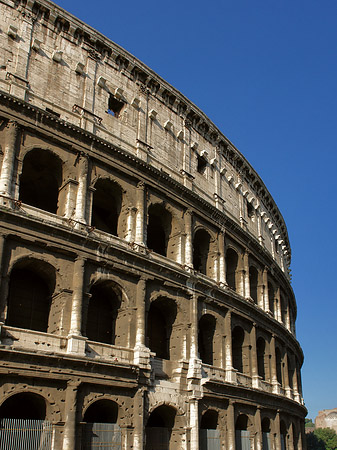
76, 345
142, 357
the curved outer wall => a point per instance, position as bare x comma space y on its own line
155, 260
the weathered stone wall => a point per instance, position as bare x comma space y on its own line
144, 265
327, 419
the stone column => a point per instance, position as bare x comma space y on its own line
188, 241
8, 162
277, 431
230, 374
265, 289
258, 428
246, 269
141, 352
230, 426
138, 439
277, 294
130, 231
286, 375
69, 436
3, 289
194, 369
253, 357
288, 325
141, 299
222, 259
194, 424
274, 382
295, 380
76, 342
140, 234
82, 189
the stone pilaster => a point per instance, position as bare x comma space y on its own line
277, 431
82, 189
8, 162
230, 426
76, 342
253, 357
222, 259
188, 216
138, 438
230, 374
265, 289
141, 352
69, 436
194, 424
274, 382
246, 274
258, 429
140, 234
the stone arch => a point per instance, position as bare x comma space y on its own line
238, 337
271, 296
41, 179
164, 426
266, 437
279, 365
161, 316
243, 426
209, 432
206, 335
232, 258
284, 435
201, 251
32, 283
253, 283
261, 357
100, 424
106, 205
104, 321
159, 228
52, 410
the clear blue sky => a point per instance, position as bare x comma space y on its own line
265, 72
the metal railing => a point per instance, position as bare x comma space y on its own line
25, 434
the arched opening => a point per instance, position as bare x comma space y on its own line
201, 244
24, 406
283, 431
265, 427
209, 433
253, 282
278, 365
238, 337
161, 316
242, 435
207, 324
102, 313
271, 297
158, 229
159, 428
31, 286
22, 420
295, 434
231, 267
260, 350
100, 428
41, 180
106, 207
283, 309
291, 369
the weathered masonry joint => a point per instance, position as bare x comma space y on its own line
145, 294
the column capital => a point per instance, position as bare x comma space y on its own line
141, 185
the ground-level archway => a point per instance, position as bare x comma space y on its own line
23, 424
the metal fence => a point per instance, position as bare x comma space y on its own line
25, 434
157, 438
105, 436
209, 439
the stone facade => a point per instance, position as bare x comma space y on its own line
327, 419
145, 276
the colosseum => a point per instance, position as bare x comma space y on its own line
145, 286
